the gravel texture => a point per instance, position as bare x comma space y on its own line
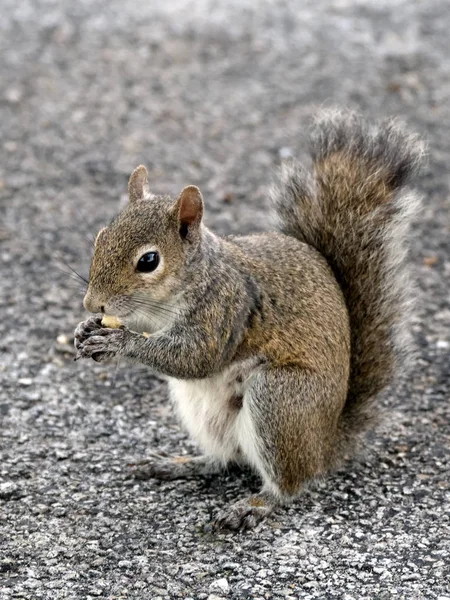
214, 94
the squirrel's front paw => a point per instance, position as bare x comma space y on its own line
85, 329
101, 344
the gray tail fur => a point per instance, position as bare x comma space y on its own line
355, 209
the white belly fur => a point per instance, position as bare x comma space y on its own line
206, 410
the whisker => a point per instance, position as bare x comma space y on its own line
144, 298
156, 309
71, 268
78, 288
154, 304
147, 316
91, 237
88, 226
136, 309
81, 285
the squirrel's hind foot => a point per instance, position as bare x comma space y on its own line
245, 514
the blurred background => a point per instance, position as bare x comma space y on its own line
216, 94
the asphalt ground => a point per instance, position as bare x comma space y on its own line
214, 94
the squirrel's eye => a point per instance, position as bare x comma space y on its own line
148, 262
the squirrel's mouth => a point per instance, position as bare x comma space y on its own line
144, 314
118, 315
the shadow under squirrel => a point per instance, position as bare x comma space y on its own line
275, 345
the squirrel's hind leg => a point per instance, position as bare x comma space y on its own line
163, 467
286, 429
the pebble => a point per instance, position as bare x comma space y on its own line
13, 95
442, 344
220, 585
8, 489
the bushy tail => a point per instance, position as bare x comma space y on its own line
355, 210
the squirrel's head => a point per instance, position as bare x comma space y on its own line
141, 260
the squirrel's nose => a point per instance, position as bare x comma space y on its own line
91, 304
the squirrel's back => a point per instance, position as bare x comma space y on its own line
355, 209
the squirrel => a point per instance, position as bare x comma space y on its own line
275, 345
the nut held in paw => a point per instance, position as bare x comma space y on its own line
111, 322
115, 323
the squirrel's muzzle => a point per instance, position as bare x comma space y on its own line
93, 304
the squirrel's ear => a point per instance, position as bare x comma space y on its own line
190, 208
138, 184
